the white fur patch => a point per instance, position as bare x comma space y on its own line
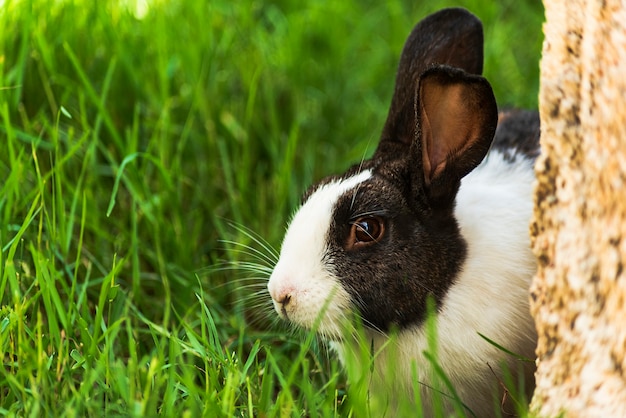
314, 293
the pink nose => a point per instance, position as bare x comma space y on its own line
281, 294
284, 301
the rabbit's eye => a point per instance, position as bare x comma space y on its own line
366, 230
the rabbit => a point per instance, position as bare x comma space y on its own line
441, 211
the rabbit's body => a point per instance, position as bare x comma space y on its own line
493, 217
424, 218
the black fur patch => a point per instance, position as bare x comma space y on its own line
518, 133
420, 254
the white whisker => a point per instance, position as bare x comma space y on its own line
270, 252
245, 249
381, 212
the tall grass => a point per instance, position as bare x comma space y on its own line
132, 136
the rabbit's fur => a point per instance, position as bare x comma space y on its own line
434, 215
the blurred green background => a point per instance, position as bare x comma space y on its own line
133, 134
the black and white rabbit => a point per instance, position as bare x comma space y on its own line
441, 210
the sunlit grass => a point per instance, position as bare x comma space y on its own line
133, 136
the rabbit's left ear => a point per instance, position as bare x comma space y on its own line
456, 117
452, 37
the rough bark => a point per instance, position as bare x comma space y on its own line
579, 231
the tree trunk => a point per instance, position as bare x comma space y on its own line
579, 229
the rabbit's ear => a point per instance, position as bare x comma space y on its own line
451, 37
456, 117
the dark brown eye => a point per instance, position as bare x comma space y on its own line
366, 230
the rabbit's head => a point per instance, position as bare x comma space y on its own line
381, 238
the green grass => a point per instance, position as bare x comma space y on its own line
131, 140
